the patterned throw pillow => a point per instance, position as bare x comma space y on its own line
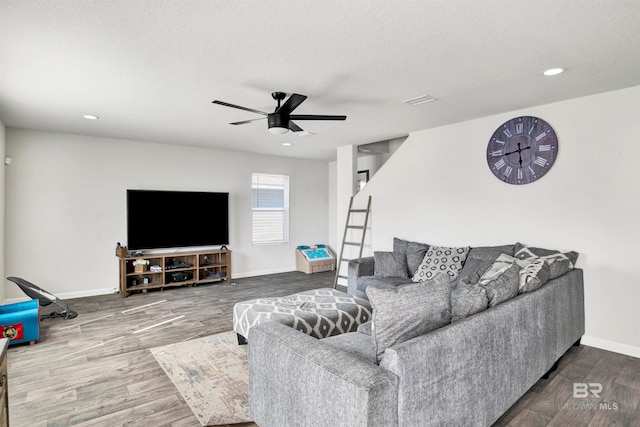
559, 262
389, 264
533, 274
499, 266
407, 311
441, 260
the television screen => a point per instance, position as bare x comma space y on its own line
174, 219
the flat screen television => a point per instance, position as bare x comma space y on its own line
175, 219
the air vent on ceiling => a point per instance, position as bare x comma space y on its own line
422, 99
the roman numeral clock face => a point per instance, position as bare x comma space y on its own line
522, 150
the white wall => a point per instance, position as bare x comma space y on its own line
438, 189
332, 205
66, 204
373, 162
2, 205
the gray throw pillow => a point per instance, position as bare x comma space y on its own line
407, 311
414, 252
491, 253
502, 280
467, 300
389, 264
400, 245
480, 259
474, 268
441, 260
559, 262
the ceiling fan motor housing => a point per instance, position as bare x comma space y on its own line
276, 120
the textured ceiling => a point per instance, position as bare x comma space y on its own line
150, 69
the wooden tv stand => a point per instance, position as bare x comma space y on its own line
164, 270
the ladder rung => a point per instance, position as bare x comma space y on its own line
352, 227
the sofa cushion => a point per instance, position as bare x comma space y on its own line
502, 280
356, 344
408, 311
365, 328
467, 299
441, 260
381, 282
559, 262
414, 252
390, 264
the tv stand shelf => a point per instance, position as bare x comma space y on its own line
173, 269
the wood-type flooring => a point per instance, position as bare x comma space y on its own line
97, 370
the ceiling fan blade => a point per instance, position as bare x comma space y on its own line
226, 104
316, 117
294, 127
246, 121
291, 104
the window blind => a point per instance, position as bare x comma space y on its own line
270, 208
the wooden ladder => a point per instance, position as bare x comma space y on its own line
349, 225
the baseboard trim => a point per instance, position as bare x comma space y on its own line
263, 272
107, 291
616, 347
69, 295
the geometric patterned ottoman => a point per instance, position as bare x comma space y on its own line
320, 313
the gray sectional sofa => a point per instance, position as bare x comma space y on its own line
465, 373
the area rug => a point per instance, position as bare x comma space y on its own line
211, 374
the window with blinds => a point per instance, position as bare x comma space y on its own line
270, 208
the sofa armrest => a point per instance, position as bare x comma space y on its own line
358, 267
297, 380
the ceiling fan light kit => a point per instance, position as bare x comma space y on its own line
277, 124
281, 120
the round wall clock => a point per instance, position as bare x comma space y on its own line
522, 150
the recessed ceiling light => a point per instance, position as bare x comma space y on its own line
90, 117
554, 71
287, 144
422, 99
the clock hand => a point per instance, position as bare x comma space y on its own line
517, 151
520, 155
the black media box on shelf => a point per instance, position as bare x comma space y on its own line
180, 276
